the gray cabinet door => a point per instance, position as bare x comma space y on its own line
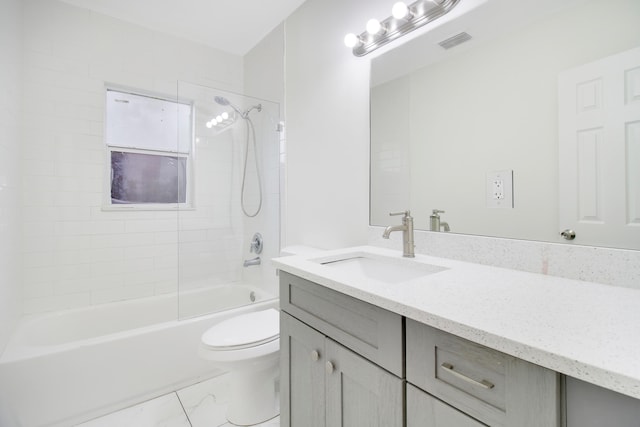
360, 393
302, 368
424, 410
591, 406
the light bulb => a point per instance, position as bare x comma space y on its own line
400, 10
225, 115
219, 119
351, 40
373, 26
209, 125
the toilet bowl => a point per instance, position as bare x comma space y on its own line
247, 346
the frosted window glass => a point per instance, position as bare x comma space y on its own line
143, 122
147, 178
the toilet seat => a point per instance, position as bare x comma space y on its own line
242, 332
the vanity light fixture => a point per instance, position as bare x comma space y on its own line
374, 27
404, 19
351, 40
400, 10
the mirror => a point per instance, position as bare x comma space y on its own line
483, 130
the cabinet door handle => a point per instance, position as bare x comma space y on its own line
482, 383
330, 368
315, 355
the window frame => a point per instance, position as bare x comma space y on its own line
189, 203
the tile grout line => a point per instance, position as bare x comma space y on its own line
183, 409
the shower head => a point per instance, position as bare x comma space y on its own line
221, 100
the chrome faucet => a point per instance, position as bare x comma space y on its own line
407, 233
434, 222
253, 261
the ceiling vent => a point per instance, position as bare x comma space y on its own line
455, 40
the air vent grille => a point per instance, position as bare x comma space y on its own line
455, 40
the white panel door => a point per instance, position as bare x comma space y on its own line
599, 151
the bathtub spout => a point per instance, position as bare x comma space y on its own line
253, 261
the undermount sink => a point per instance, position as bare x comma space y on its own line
380, 268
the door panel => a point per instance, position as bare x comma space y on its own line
599, 151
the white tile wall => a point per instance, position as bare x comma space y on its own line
10, 104
75, 253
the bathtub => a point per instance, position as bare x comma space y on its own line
66, 367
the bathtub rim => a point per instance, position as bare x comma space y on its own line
18, 347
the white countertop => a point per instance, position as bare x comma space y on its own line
585, 330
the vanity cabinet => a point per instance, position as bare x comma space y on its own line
343, 364
336, 360
490, 387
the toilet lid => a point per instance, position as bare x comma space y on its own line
246, 330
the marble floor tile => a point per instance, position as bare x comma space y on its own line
206, 402
164, 411
271, 423
201, 405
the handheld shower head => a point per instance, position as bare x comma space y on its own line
221, 100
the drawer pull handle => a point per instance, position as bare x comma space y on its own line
315, 355
483, 383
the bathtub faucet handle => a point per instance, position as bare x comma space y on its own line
256, 243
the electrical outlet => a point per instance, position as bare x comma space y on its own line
500, 189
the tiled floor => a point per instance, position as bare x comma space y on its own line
200, 405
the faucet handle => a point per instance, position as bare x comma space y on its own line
256, 243
405, 213
437, 211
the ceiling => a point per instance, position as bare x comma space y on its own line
232, 26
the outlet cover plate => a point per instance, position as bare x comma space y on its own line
499, 193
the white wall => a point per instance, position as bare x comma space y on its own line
264, 78
74, 253
10, 104
327, 112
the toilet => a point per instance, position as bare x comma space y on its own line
247, 346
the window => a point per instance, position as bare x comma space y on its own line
149, 142
147, 178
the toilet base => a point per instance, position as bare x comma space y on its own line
255, 397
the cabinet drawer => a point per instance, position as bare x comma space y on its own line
493, 387
371, 331
424, 410
456, 370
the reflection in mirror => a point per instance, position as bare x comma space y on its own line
477, 131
